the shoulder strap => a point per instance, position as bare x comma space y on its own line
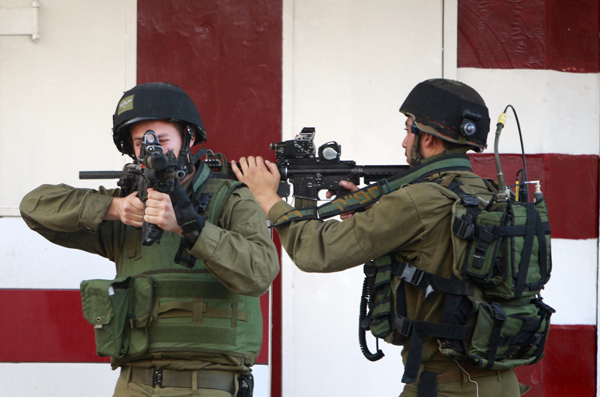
211, 193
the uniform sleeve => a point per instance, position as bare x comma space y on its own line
240, 251
72, 217
330, 246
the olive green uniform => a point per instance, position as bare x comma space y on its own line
413, 223
237, 250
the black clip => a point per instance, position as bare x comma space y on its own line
132, 321
157, 377
463, 228
497, 312
411, 274
402, 325
204, 200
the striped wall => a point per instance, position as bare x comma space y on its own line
543, 57
259, 71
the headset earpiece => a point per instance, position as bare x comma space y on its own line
468, 127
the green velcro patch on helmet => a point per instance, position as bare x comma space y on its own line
125, 104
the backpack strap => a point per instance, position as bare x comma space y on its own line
378, 276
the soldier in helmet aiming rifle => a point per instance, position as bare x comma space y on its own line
182, 316
408, 233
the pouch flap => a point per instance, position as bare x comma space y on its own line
97, 309
142, 300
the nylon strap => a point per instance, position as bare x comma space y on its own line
530, 233
428, 386
373, 192
202, 175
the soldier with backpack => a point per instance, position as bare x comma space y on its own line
430, 258
183, 315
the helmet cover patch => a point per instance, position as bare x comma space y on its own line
126, 104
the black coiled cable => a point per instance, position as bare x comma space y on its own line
362, 328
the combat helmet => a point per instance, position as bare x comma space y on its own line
450, 110
155, 101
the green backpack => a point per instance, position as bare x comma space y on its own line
493, 314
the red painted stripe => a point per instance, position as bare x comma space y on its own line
276, 330
227, 56
45, 326
48, 326
569, 184
530, 34
568, 367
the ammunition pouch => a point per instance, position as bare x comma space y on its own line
114, 306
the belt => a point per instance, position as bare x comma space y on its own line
220, 380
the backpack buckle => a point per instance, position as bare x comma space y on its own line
157, 377
497, 312
203, 202
463, 229
402, 325
411, 274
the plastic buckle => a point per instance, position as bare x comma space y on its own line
204, 201
132, 321
412, 274
462, 229
157, 377
485, 233
402, 325
497, 312
470, 199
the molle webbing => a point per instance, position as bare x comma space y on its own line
196, 335
193, 289
193, 304
373, 192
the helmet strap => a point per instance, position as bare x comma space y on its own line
415, 155
184, 155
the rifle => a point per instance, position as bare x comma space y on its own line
310, 172
154, 169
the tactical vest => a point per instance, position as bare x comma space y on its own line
157, 308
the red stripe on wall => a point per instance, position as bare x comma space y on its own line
530, 34
227, 55
569, 183
48, 326
568, 367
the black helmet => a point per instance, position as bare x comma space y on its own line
154, 101
450, 110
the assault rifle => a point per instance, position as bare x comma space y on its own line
311, 172
154, 169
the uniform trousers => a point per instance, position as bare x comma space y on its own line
496, 384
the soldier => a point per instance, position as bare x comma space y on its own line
445, 119
187, 330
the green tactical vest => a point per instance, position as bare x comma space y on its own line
159, 309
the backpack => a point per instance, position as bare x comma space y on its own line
493, 315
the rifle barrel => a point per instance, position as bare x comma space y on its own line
100, 174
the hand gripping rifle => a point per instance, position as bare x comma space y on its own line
310, 172
154, 169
